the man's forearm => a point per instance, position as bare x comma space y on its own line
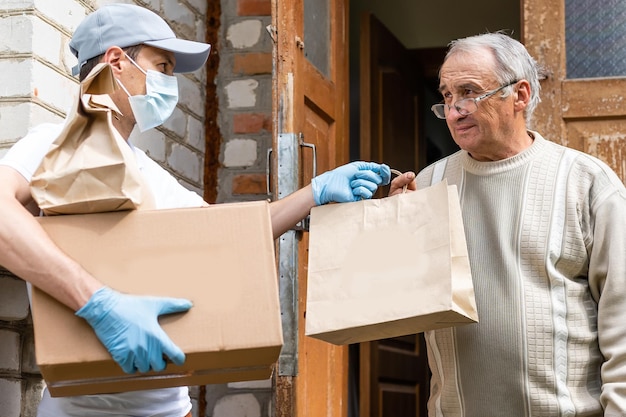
286, 212
28, 252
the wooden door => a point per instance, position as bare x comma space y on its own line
311, 100
394, 378
389, 80
393, 373
588, 114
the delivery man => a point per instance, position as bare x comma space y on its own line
144, 54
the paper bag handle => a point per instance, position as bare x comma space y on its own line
398, 173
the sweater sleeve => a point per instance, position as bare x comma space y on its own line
607, 282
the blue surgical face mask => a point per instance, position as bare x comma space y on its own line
158, 104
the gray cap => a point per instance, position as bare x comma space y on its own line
126, 25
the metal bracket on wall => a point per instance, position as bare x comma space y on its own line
288, 163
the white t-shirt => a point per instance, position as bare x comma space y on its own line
25, 157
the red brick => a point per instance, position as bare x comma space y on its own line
253, 63
251, 123
250, 184
254, 7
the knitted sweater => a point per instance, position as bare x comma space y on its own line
546, 237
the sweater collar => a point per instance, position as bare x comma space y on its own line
494, 167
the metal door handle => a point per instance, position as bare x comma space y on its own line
312, 146
268, 166
268, 172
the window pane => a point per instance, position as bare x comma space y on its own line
317, 34
595, 38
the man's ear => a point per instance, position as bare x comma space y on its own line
522, 95
114, 56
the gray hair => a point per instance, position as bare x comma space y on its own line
513, 62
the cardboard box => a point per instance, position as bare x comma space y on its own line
220, 257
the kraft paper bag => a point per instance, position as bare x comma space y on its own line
89, 168
388, 267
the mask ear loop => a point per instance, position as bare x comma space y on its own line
123, 88
398, 173
135, 64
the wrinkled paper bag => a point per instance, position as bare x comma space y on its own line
89, 168
388, 267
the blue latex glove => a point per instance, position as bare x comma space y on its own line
128, 327
351, 182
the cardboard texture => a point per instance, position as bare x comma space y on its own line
388, 267
221, 257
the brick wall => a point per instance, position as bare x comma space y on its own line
245, 96
244, 93
179, 145
20, 381
37, 87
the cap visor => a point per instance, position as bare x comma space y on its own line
190, 55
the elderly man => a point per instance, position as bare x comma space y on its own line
547, 241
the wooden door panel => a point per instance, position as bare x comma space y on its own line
318, 129
389, 99
314, 106
319, 92
593, 97
395, 400
394, 377
399, 125
393, 372
588, 114
606, 139
322, 378
322, 383
318, 132
401, 366
321, 386
594, 113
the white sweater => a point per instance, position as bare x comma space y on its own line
546, 235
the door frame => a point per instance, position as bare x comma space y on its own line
313, 106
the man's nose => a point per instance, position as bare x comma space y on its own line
453, 113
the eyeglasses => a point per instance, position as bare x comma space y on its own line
465, 106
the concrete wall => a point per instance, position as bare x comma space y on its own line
37, 87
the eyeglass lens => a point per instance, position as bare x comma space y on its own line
465, 106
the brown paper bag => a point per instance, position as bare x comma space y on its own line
388, 267
89, 168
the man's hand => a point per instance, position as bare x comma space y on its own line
128, 327
406, 179
351, 182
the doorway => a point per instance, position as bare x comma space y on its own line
422, 27
399, 45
